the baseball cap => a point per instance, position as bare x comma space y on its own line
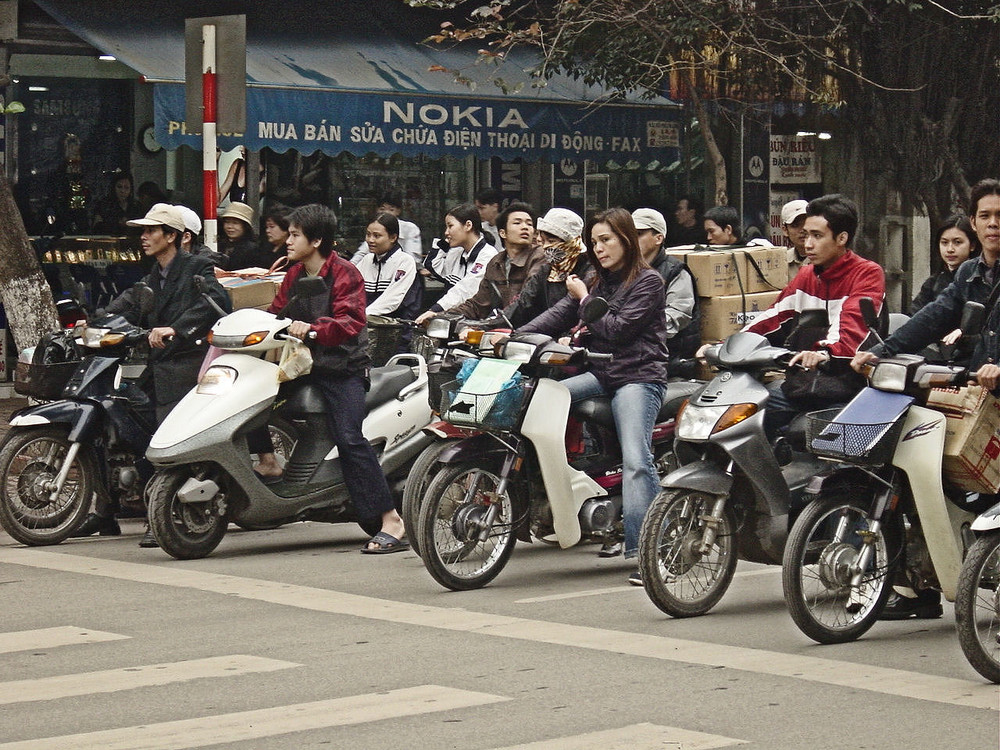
191, 221
793, 210
160, 213
648, 218
561, 223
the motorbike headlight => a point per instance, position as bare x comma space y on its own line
112, 339
518, 351
697, 422
91, 337
439, 328
217, 380
889, 376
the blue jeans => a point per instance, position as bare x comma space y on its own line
634, 407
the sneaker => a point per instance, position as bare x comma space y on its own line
610, 549
925, 606
635, 578
95, 524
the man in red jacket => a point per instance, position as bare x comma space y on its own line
835, 280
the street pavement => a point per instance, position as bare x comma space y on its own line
290, 638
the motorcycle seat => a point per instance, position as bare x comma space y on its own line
387, 382
598, 409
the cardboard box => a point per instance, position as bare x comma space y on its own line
770, 274
972, 437
720, 273
721, 316
250, 292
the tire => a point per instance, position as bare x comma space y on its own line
417, 482
815, 571
186, 531
977, 607
28, 460
453, 556
678, 578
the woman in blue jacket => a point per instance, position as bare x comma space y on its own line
634, 331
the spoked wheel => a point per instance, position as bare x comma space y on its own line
821, 558
465, 528
679, 576
977, 607
185, 530
417, 482
30, 461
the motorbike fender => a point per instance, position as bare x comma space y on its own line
988, 520
701, 476
83, 418
919, 453
256, 385
472, 448
447, 430
567, 488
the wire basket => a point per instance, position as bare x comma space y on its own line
439, 374
501, 410
384, 339
423, 345
43, 381
861, 444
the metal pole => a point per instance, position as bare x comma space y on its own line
208, 138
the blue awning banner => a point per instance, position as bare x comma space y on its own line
387, 123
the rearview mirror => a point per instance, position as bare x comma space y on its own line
145, 297
594, 308
868, 313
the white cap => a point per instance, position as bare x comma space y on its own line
191, 221
793, 210
649, 218
561, 223
160, 213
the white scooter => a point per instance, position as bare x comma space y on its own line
204, 476
977, 601
884, 516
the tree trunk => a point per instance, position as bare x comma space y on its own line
27, 298
720, 196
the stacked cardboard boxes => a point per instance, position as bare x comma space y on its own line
972, 437
243, 293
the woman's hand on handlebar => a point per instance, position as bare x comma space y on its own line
988, 376
861, 359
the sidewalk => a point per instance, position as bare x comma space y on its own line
7, 407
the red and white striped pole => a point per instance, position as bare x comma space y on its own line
209, 99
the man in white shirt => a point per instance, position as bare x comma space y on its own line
409, 233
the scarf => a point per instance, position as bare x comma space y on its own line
562, 258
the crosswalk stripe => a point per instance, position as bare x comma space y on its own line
851, 675
267, 722
66, 635
128, 678
635, 737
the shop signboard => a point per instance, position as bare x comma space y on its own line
434, 125
795, 160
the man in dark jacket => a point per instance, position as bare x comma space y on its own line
179, 318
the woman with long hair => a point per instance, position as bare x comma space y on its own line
956, 242
634, 331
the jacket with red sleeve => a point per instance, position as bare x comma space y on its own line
837, 289
338, 318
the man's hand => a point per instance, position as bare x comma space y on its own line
861, 359
953, 337
809, 360
425, 316
988, 376
299, 330
700, 354
158, 336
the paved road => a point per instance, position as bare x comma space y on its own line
291, 639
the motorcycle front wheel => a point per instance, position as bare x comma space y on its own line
30, 461
977, 607
186, 531
465, 527
820, 560
417, 481
679, 577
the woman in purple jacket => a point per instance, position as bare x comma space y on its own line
634, 331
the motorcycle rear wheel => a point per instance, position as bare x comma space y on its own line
185, 531
451, 519
30, 459
678, 578
977, 607
417, 482
815, 571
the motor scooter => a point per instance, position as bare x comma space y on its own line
515, 479
885, 516
204, 477
734, 494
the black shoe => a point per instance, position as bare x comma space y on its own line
610, 549
925, 606
635, 578
95, 524
148, 541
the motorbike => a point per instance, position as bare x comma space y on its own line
884, 516
734, 494
204, 477
515, 479
86, 439
977, 597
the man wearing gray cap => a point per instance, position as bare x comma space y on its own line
683, 315
177, 319
793, 226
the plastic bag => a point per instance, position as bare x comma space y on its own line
296, 361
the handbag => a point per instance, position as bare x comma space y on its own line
296, 361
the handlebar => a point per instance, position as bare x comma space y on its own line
599, 356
